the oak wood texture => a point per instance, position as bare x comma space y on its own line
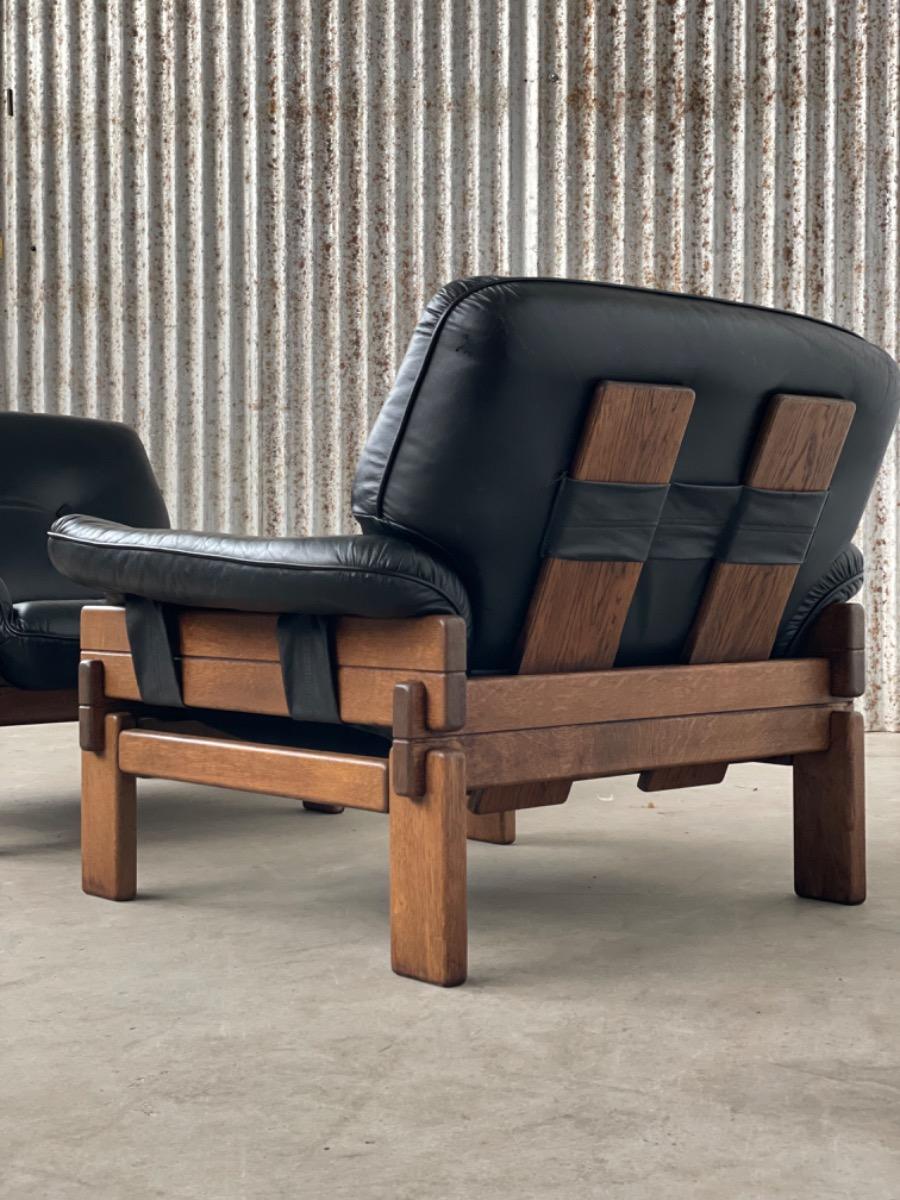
839, 634
797, 450
621, 747
829, 816
435, 643
428, 875
108, 818
632, 434
498, 828
244, 683
692, 775
522, 701
20, 706
92, 705
324, 778
365, 695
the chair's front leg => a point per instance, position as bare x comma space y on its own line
428, 874
830, 816
108, 818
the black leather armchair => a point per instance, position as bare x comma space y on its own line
50, 466
605, 531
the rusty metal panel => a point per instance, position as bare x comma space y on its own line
221, 217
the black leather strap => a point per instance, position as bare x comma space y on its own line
304, 645
153, 638
695, 520
773, 527
614, 522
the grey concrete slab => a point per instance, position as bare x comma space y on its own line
651, 1013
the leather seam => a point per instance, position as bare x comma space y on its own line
262, 566
499, 281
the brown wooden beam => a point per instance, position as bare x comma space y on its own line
108, 818
435, 643
428, 875
742, 607
632, 693
839, 634
632, 434
623, 747
238, 685
20, 706
830, 816
354, 781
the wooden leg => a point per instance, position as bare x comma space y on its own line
108, 819
829, 816
428, 874
311, 806
499, 828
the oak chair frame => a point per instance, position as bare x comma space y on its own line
469, 751
26, 706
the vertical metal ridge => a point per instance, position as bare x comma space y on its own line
239, 207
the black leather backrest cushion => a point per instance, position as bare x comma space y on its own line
488, 408
53, 465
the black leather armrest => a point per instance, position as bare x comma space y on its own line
367, 575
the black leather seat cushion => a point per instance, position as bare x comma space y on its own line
369, 575
39, 643
49, 466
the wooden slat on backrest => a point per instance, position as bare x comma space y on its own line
632, 434
797, 451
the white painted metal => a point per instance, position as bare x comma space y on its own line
221, 217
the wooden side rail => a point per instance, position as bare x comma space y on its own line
620, 747
524, 701
349, 780
230, 661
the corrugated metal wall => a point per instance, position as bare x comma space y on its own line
221, 217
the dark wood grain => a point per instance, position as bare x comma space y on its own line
435, 643
632, 434
496, 828
622, 747
624, 694
428, 875
354, 781
108, 818
829, 816
365, 695
797, 450
19, 706
839, 634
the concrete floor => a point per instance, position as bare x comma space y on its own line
650, 1013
